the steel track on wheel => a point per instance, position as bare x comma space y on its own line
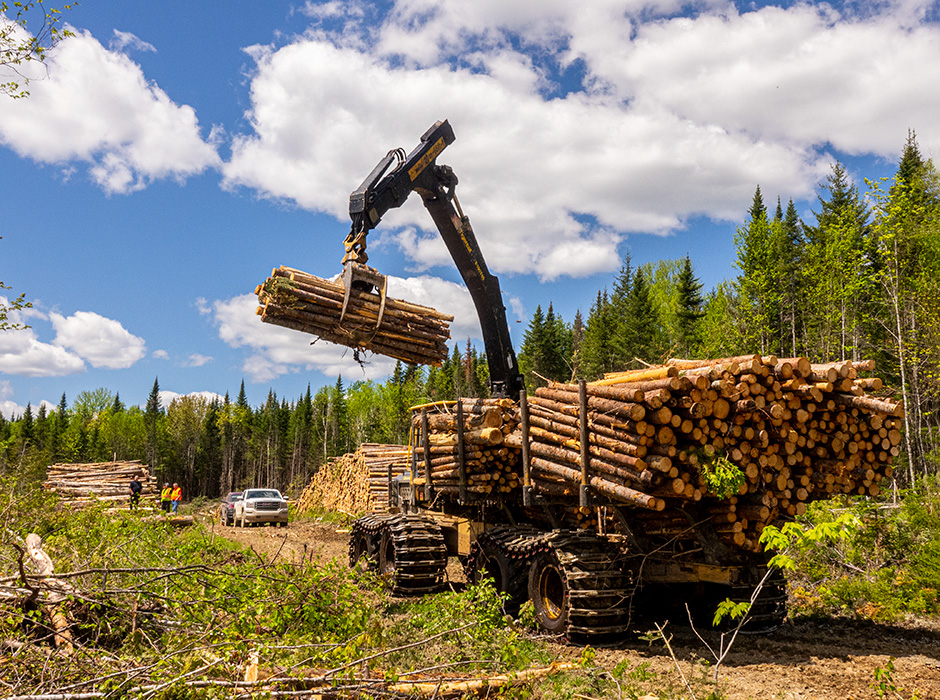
769, 610
599, 590
420, 555
369, 527
509, 550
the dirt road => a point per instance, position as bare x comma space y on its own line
804, 660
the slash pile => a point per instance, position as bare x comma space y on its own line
798, 432
404, 331
491, 465
356, 482
103, 481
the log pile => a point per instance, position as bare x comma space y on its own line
798, 432
357, 482
491, 463
102, 481
408, 332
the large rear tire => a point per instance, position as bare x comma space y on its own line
412, 555
580, 588
548, 591
503, 554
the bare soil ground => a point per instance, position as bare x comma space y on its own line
833, 659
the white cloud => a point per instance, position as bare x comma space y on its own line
197, 360
101, 341
83, 336
672, 118
160, 355
127, 40
96, 106
10, 409
22, 353
275, 351
168, 397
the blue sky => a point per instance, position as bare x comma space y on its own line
170, 155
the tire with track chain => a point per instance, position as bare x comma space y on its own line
580, 589
503, 554
412, 555
364, 537
769, 610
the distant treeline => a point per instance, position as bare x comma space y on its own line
860, 281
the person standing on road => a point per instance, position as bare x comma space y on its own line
176, 496
136, 488
165, 495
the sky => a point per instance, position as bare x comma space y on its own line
170, 155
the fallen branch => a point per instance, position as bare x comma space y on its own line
56, 608
475, 685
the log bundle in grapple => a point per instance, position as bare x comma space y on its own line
359, 319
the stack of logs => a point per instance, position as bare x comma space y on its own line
408, 332
798, 431
102, 481
357, 482
492, 467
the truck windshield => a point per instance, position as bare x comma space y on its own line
263, 494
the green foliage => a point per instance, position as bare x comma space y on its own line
27, 38
723, 477
883, 566
730, 610
885, 686
486, 635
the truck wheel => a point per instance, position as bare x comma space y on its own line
412, 555
503, 555
387, 555
364, 538
580, 587
548, 591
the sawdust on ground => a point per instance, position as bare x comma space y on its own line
833, 659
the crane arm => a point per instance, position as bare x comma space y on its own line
389, 184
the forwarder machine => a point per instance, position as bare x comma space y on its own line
590, 586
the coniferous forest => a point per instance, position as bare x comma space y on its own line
860, 279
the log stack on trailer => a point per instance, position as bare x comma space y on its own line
796, 431
356, 482
473, 432
362, 320
102, 481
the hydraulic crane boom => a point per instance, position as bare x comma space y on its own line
388, 186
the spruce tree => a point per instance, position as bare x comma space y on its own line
598, 353
26, 424
639, 335
757, 284
835, 271
531, 361
690, 311
556, 346
152, 413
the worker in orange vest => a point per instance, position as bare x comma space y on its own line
176, 496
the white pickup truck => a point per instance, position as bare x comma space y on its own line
261, 506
